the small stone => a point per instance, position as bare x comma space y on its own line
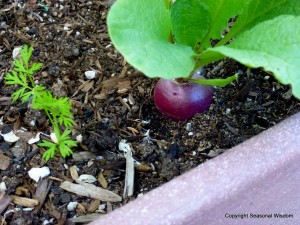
188, 126
3, 187
79, 138
90, 74
86, 178
72, 206
228, 110
16, 52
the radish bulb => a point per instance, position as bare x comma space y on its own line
181, 101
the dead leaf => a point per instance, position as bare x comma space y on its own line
90, 190
27, 202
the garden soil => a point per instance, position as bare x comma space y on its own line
70, 38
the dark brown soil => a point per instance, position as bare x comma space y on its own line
71, 38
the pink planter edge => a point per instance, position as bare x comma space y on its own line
256, 182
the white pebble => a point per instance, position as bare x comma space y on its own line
188, 126
90, 74
38, 173
102, 206
3, 187
140, 195
16, 52
72, 206
228, 110
86, 178
32, 123
79, 138
190, 133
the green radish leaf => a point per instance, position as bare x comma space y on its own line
273, 44
258, 11
220, 12
140, 30
189, 21
215, 82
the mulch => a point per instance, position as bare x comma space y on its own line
70, 38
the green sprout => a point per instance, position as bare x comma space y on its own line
58, 110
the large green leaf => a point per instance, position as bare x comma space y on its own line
258, 11
196, 21
220, 12
190, 21
140, 30
273, 45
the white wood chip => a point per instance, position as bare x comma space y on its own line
10, 137
129, 176
123, 146
27, 202
34, 139
38, 173
90, 190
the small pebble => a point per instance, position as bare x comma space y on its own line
188, 126
16, 52
90, 74
72, 206
228, 110
86, 178
3, 187
79, 138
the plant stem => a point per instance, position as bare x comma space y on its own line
31, 79
54, 123
225, 39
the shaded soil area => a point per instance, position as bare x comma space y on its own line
70, 38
